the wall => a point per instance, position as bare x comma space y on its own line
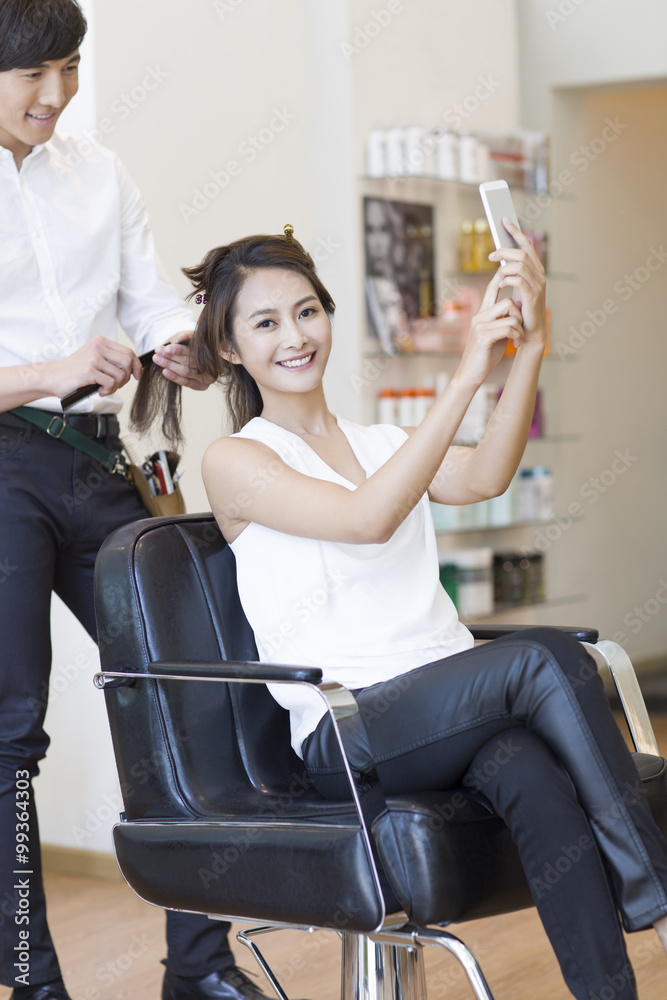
178, 97
593, 80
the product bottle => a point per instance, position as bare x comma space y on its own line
414, 150
482, 246
423, 401
376, 160
406, 408
447, 156
467, 246
543, 485
468, 158
430, 154
386, 406
526, 497
395, 145
452, 327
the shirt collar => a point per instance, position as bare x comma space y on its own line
35, 152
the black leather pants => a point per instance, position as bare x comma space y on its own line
525, 719
56, 508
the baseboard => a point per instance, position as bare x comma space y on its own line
101, 865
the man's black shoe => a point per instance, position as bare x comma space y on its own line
230, 984
47, 991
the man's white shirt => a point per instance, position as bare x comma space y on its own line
77, 256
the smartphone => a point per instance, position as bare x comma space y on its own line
498, 204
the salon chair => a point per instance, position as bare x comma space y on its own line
219, 817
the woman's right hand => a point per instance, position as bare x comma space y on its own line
100, 362
491, 328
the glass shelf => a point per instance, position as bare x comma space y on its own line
402, 355
468, 529
547, 602
551, 275
468, 187
464, 187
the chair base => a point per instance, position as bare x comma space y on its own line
387, 965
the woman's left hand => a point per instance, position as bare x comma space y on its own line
175, 359
524, 272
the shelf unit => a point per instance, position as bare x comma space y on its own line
454, 201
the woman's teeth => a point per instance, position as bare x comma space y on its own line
298, 363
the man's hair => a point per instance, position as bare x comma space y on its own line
37, 31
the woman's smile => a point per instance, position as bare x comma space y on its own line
299, 363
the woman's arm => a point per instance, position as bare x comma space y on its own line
468, 475
101, 362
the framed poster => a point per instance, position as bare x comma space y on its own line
398, 240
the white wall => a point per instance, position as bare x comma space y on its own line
577, 43
606, 62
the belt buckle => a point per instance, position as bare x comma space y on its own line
56, 433
100, 424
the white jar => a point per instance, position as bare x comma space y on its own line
395, 147
502, 508
422, 403
543, 486
386, 406
468, 158
447, 156
406, 408
526, 496
414, 151
376, 153
474, 583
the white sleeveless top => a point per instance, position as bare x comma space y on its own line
362, 612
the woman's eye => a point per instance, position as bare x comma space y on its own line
264, 324
308, 311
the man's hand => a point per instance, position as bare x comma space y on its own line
100, 362
176, 362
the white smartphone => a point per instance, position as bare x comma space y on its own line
498, 204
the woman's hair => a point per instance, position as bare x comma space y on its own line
37, 31
217, 282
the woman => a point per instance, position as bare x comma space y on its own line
337, 567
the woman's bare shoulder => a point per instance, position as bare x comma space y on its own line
229, 458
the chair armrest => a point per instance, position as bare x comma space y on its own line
484, 632
339, 701
227, 670
612, 656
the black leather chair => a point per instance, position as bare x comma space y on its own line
219, 814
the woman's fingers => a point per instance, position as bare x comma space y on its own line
491, 291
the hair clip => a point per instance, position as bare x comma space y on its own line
289, 235
201, 299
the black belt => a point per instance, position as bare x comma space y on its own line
91, 425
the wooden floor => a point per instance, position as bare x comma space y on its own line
110, 945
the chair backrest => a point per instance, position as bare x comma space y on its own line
166, 590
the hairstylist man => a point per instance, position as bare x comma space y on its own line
76, 254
